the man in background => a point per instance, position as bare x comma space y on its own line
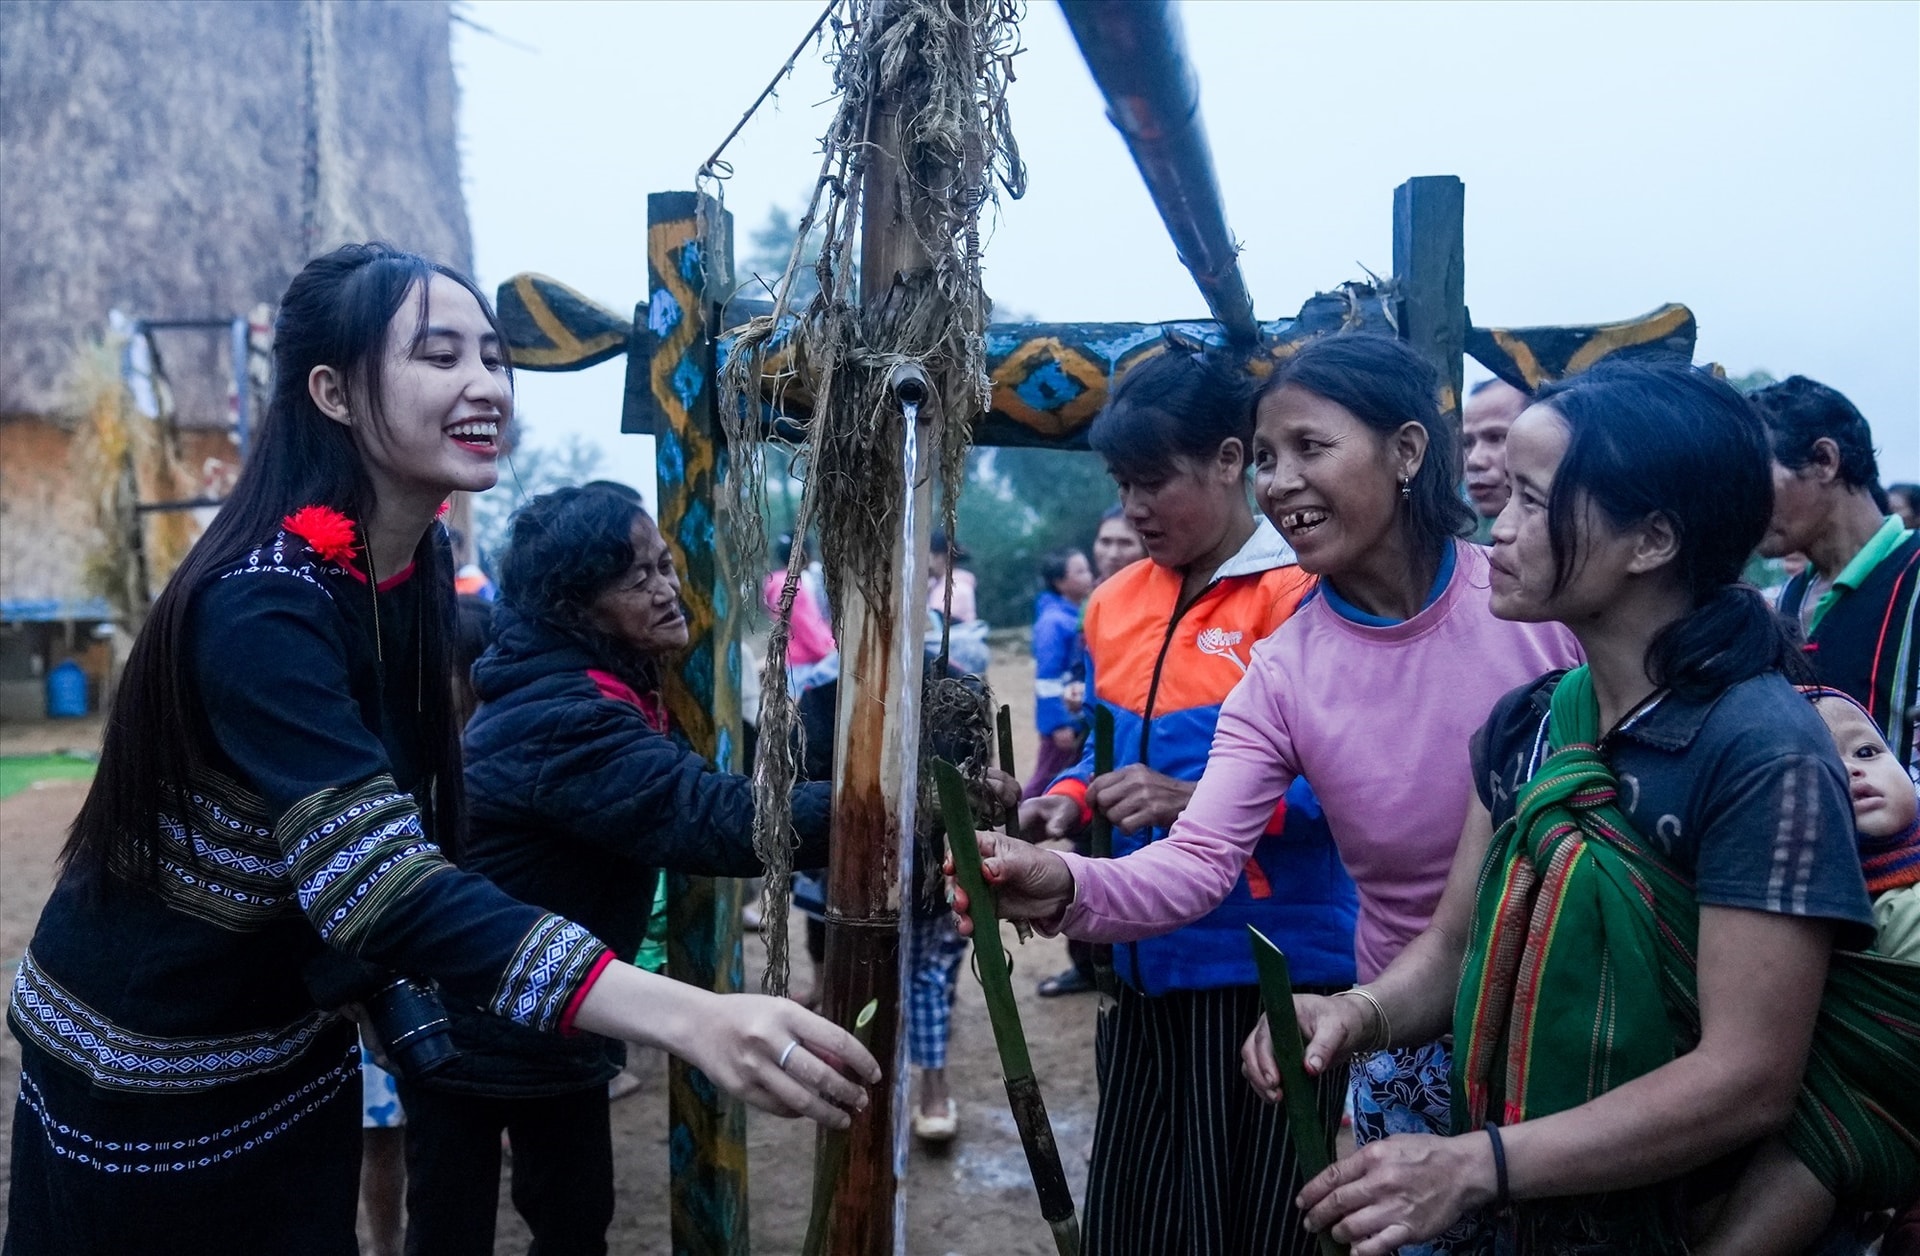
1858, 601
1492, 406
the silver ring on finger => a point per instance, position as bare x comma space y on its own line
788, 1054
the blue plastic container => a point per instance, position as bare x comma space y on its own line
66, 692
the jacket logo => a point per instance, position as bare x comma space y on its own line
1219, 643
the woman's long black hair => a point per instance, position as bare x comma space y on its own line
335, 313
565, 549
1670, 440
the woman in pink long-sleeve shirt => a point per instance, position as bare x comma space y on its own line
1371, 691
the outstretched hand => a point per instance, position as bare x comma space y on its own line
741, 1046
1003, 791
1028, 883
740, 1041
1333, 1029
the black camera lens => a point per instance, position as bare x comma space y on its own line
412, 1024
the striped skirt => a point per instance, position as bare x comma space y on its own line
1186, 1157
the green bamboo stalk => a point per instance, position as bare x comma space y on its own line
833, 1154
995, 971
1101, 843
1312, 1148
1004, 725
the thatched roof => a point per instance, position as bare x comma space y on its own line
156, 159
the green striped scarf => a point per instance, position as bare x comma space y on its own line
1578, 917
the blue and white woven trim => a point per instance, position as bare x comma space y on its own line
217, 856
355, 853
546, 971
179, 1155
274, 559
119, 1059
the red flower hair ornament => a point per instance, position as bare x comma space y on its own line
325, 530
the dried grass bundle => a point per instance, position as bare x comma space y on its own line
944, 65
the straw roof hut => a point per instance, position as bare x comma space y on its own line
158, 158
181, 159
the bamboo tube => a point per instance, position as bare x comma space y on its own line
1312, 1148
877, 732
1101, 843
1023, 1090
1003, 724
833, 1154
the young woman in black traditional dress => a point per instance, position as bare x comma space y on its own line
279, 793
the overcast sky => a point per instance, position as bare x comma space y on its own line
1759, 162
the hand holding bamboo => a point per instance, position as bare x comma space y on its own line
1023, 1090
1313, 1149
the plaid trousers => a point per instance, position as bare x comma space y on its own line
934, 950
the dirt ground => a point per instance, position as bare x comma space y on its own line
973, 1198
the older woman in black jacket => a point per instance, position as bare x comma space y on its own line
579, 796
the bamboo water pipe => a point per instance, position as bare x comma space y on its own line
1139, 60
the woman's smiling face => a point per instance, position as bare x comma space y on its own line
1326, 480
642, 606
445, 396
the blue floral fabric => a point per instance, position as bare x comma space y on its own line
1405, 1091
379, 1097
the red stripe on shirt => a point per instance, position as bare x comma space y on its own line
580, 996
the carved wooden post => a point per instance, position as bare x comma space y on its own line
1429, 271
877, 753
708, 1145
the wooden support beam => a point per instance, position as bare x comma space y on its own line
1050, 379
552, 327
707, 1148
877, 750
1429, 276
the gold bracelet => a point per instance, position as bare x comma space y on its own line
1386, 1033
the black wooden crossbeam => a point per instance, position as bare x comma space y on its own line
1051, 379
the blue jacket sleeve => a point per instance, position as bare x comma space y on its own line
642, 796
1054, 635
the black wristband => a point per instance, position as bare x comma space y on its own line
1499, 1166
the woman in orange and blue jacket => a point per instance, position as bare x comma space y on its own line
1185, 1156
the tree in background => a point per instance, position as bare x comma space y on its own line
1753, 381
1018, 504
769, 247
1761, 573
526, 472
